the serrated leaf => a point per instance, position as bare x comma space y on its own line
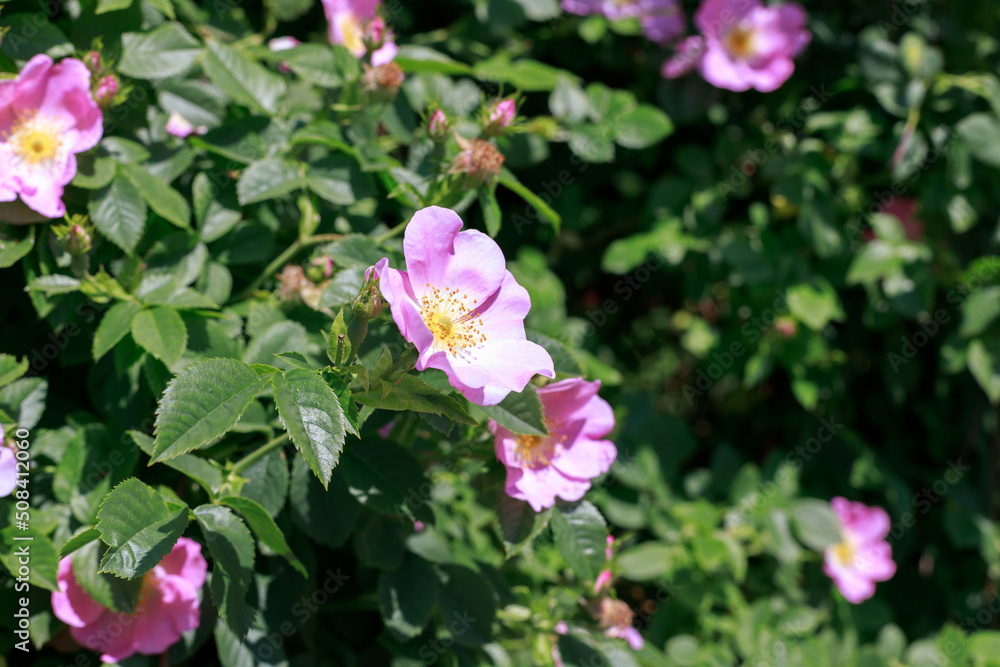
519, 524
407, 596
386, 477
161, 332
267, 179
44, 557
247, 82
313, 417
138, 527
581, 536
114, 325
411, 393
264, 527
166, 51
205, 472
326, 515
119, 212
519, 413
201, 404
15, 242
163, 199
232, 549
80, 539
815, 523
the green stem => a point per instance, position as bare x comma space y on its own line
260, 453
283, 259
395, 231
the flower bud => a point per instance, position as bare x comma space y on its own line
786, 327
437, 127
368, 303
375, 33
78, 241
107, 88
92, 60
383, 81
500, 116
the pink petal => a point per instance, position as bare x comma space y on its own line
171, 608
716, 17
496, 365
71, 604
541, 486
384, 55
8, 471
111, 635
186, 561
722, 72
587, 459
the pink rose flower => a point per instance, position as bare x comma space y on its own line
562, 464
179, 126
864, 557
47, 116
347, 19
462, 308
746, 45
168, 606
8, 467
661, 20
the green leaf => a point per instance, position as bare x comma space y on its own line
338, 179
815, 304
468, 601
16, 241
11, 369
232, 549
247, 82
563, 360
527, 75
338, 351
509, 181
138, 527
164, 7
646, 562
815, 523
201, 404
313, 417
93, 173
80, 539
491, 211
204, 471
415, 59
642, 127
326, 515
161, 332
264, 527
267, 179
252, 649
104, 6
386, 477
166, 51
163, 199
114, 325
984, 363
581, 536
314, 63
411, 393
979, 311
24, 400
44, 559
519, 413
121, 595
407, 596
519, 524
981, 132
119, 212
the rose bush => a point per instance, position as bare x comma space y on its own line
481, 333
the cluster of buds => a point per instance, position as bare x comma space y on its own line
107, 86
499, 116
479, 160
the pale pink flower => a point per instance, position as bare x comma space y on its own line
47, 116
347, 19
462, 308
8, 467
575, 451
747, 45
864, 556
179, 126
661, 20
168, 606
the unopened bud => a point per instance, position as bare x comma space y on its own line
479, 160
500, 116
383, 81
437, 127
106, 91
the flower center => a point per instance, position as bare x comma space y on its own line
350, 28
844, 552
740, 42
454, 322
538, 451
36, 139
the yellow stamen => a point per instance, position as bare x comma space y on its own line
740, 42
452, 319
844, 552
35, 139
353, 33
537, 451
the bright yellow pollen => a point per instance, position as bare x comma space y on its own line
844, 552
536, 451
35, 139
740, 42
452, 319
